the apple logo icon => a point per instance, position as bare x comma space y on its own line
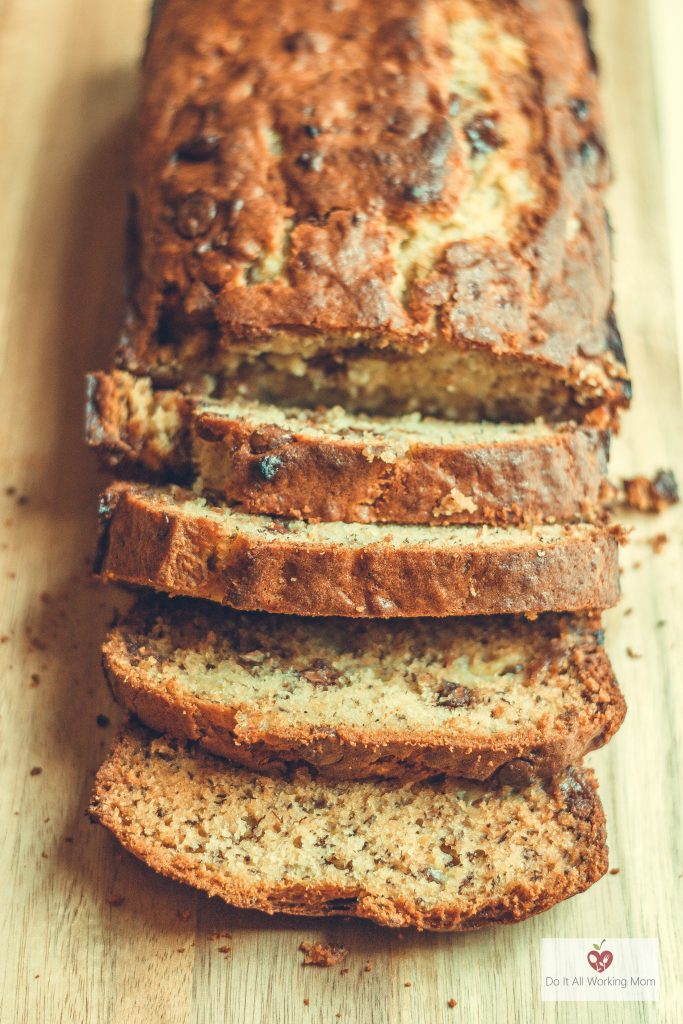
599, 958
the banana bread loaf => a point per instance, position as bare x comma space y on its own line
352, 700
437, 855
390, 206
172, 540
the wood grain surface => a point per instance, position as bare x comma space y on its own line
90, 935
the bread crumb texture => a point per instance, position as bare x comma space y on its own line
362, 698
432, 854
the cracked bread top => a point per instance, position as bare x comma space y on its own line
374, 180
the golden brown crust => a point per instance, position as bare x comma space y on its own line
573, 800
342, 751
281, 160
273, 470
149, 538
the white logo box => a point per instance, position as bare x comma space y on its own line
631, 975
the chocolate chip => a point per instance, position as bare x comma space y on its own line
312, 130
418, 193
578, 797
665, 487
579, 108
613, 338
198, 149
483, 135
268, 466
592, 152
310, 161
195, 215
453, 695
300, 42
321, 673
517, 772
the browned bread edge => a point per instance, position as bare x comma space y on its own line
146, 541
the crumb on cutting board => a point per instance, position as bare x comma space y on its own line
322, 954
651, 495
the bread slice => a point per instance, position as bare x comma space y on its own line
352, 700
172, 540
437, 855
391, 208
334, 466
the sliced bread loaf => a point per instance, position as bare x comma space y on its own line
437, 855
174, 541
365, 698
330, 465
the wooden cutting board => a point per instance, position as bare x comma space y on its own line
89, 934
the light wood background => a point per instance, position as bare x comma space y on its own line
90, 935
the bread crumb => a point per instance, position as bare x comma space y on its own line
322, 954
307, 1002
452, 1003
225, 949
453, 503
116, 901
368, 966
645, 495
407, 984
632, 654
658, 542
614, 871
36, 771
35, 680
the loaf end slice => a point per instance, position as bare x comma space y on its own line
331, 465
434, 855
359, 699
420, 227
171, 540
